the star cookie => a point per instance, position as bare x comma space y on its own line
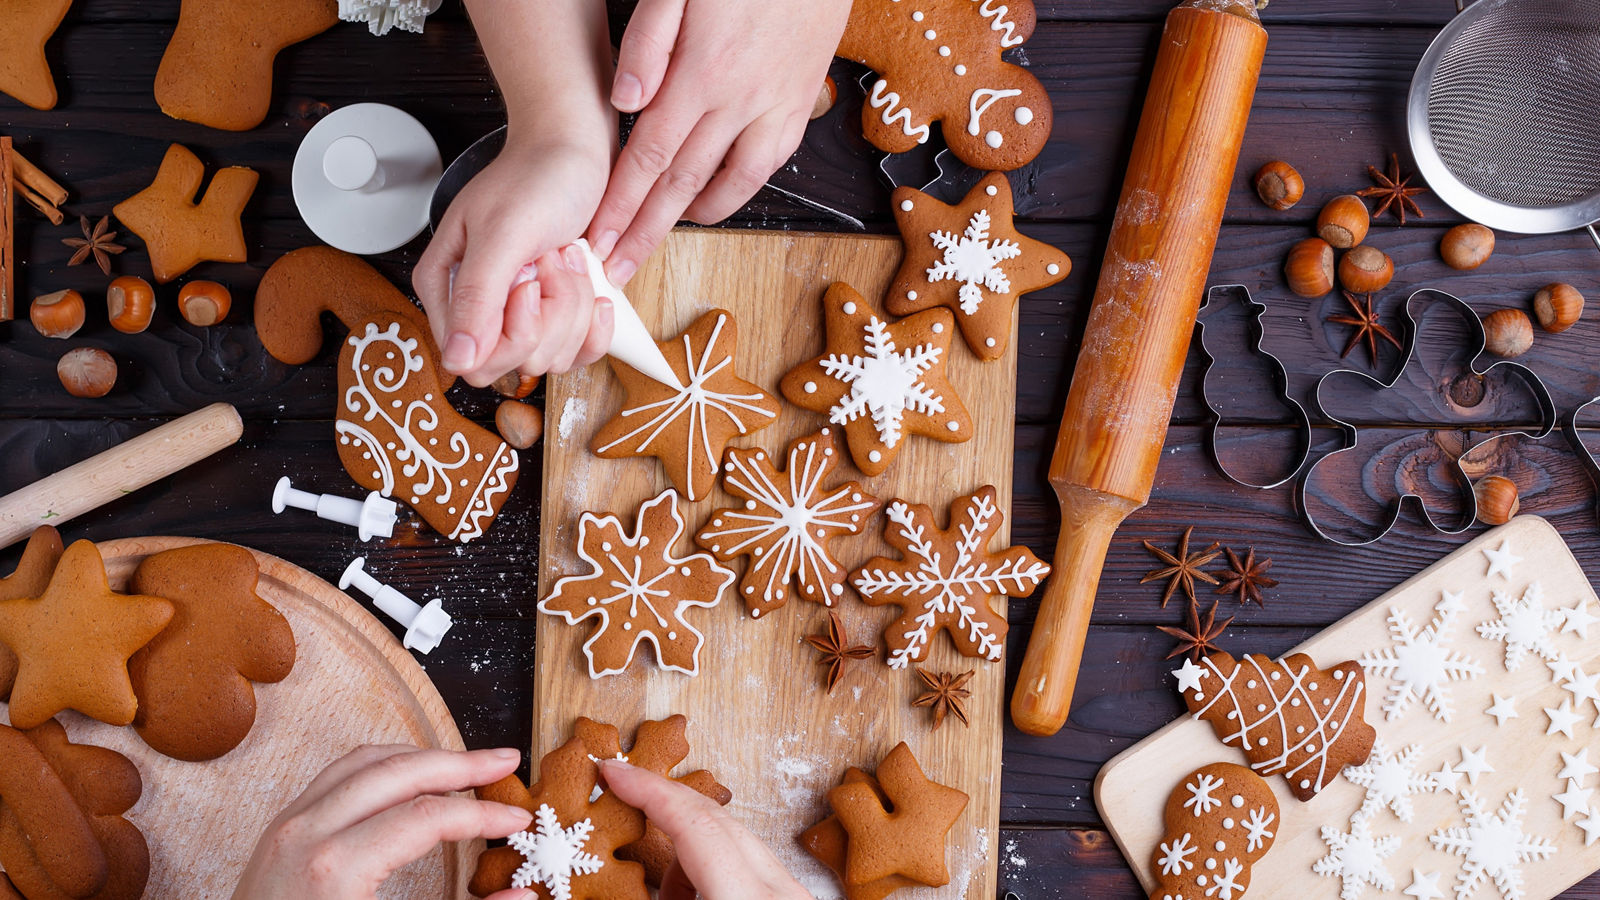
880, 381
25, 27
73, 643
971, 258
907, 842
179, 233
688, 427
30, 579
786, 522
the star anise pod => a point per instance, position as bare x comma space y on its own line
97, 242
835, 650
1199, 640
1181, 570
1246, 578
1369, 327
1394, 191
946, 693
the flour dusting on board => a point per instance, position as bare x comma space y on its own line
573, 412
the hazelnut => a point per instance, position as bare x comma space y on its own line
1507, 332
826, 97
1466, 246
519, 423
1279, 185
1309, 268
87, 372
515, 385
1557, 307
1365, 270
130, 303
57, 315
204, 302
1497, 499
1344, 221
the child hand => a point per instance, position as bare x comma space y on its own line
725, 89
527, 205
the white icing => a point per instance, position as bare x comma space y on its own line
1258, 828
979, 103
849, 307
1189, 677
885, 383
1420, 663
810, 387
1175, 856
991, 190
1524, 625
960, 69
944, 51
1356, 857
988, 10
1501, 561
907, 205
1023, 115
973, 260
930, 34
994, 139
917, 16
886, 100
1492, 847
1053, 269
553, 854
1201, 799
1390, 779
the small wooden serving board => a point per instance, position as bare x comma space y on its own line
352, 684
1132, 789
758, 716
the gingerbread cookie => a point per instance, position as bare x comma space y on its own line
970, 258
830, 844
180, 233
786, 522
1288, 716
639, 589
218, 67
1220, 821
947, 578
939, 61
73, 643
880, 381
30, 579
193, 680
25, 27
571, 853
657, 747
688, 427
397, 433
62, 831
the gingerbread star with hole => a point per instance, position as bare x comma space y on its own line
180, 233
908, 841
25, 27
29, 580
73, 643
971, 258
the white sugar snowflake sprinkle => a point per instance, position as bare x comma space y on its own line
974, 260
382, 15
1356, 858
1258, 828
1421, 664
1200, 799
554, 854
1390, 779
885, 383
1524, 625
1175, 856
1492, 846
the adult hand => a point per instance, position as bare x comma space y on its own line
373, 812
724, 89
717, 856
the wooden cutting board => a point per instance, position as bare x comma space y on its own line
758, 717
1132, 788
352, 684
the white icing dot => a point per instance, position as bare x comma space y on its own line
907, 205
1199, 696
855, 498
685, 571
755, 613
627, 626
1338, 674
930, 34
988, 342
749, 589
849, 307
911, 295
1261, 707
953, 426
1251, 684
1237, 801
875, 456
991, 190
1299, 729
944, 51
606, 546
1295, 702
1227, 823
1276, 676
961, 70
994, 139
1305, 783
396, 404
593, 601
1221, 847
837, 589
1261, 742
672, 635
811, 387
749, 504
1312, 686
916, 16
477, 457
1024, 115
938, 328
1053, 269
452, 510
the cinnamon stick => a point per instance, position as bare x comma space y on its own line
44, 206
36, 180
7, 285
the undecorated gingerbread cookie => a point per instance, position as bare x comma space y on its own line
28, 581
180, 233
25, 27
1219, 822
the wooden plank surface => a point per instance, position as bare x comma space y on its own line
758, 717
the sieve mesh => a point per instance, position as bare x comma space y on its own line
1514, 106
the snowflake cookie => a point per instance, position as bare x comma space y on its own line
1524, 625
1218, 822
688, 427
1421, 664
880, 381
639, 589
1390, 779
1355, 857
1492, 846
971, 258
947, 578
786, 522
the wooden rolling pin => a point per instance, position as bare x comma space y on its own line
119, 471
1151, 285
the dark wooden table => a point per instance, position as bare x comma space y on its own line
1331, 101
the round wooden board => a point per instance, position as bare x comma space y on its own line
352, 684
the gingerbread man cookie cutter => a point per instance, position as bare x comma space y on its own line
1570, 428
1478, 344
944, 162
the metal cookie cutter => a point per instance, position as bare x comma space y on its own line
1569, 427
1257, 348
1540, 393
940, 158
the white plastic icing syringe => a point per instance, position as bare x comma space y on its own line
425, 625
374, 516
630, 341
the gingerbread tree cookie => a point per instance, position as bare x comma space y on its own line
786, 522
687, 427
180, 233
25, 27
879, 381
939, 61
948, 578
640, 591
971, 258
1287, 716
30, 579
1219, 821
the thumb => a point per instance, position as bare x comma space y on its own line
479, 292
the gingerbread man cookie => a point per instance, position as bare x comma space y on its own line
1220, 821
687, 427
397, 433
180, 233
218, 67
880, 381
971, 258
786, 522
30, 579
25, 27
939, 61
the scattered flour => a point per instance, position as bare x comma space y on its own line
574, 411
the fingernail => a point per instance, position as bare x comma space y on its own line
529, 272
622, 271
627, 92
575, 260
616, 764
506, 754
603, 312
606, 243
460, 352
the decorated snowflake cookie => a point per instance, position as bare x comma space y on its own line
1219, 821
1492, 846
1421, 664
1355, 857
786, 522
880, 381
947, 579
1390, 779
1524, 625
639, 589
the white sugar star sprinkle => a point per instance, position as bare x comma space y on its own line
1583, 686
1424, 885
1562, 718
1473, 763
1574, 800
1446, 779
1189, 677
1501, 561
1591, 828
1577, 619
1576, 765
1502, 708
1562, 669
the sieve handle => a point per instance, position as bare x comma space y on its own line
1593, 234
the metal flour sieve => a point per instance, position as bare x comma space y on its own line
1504, 115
